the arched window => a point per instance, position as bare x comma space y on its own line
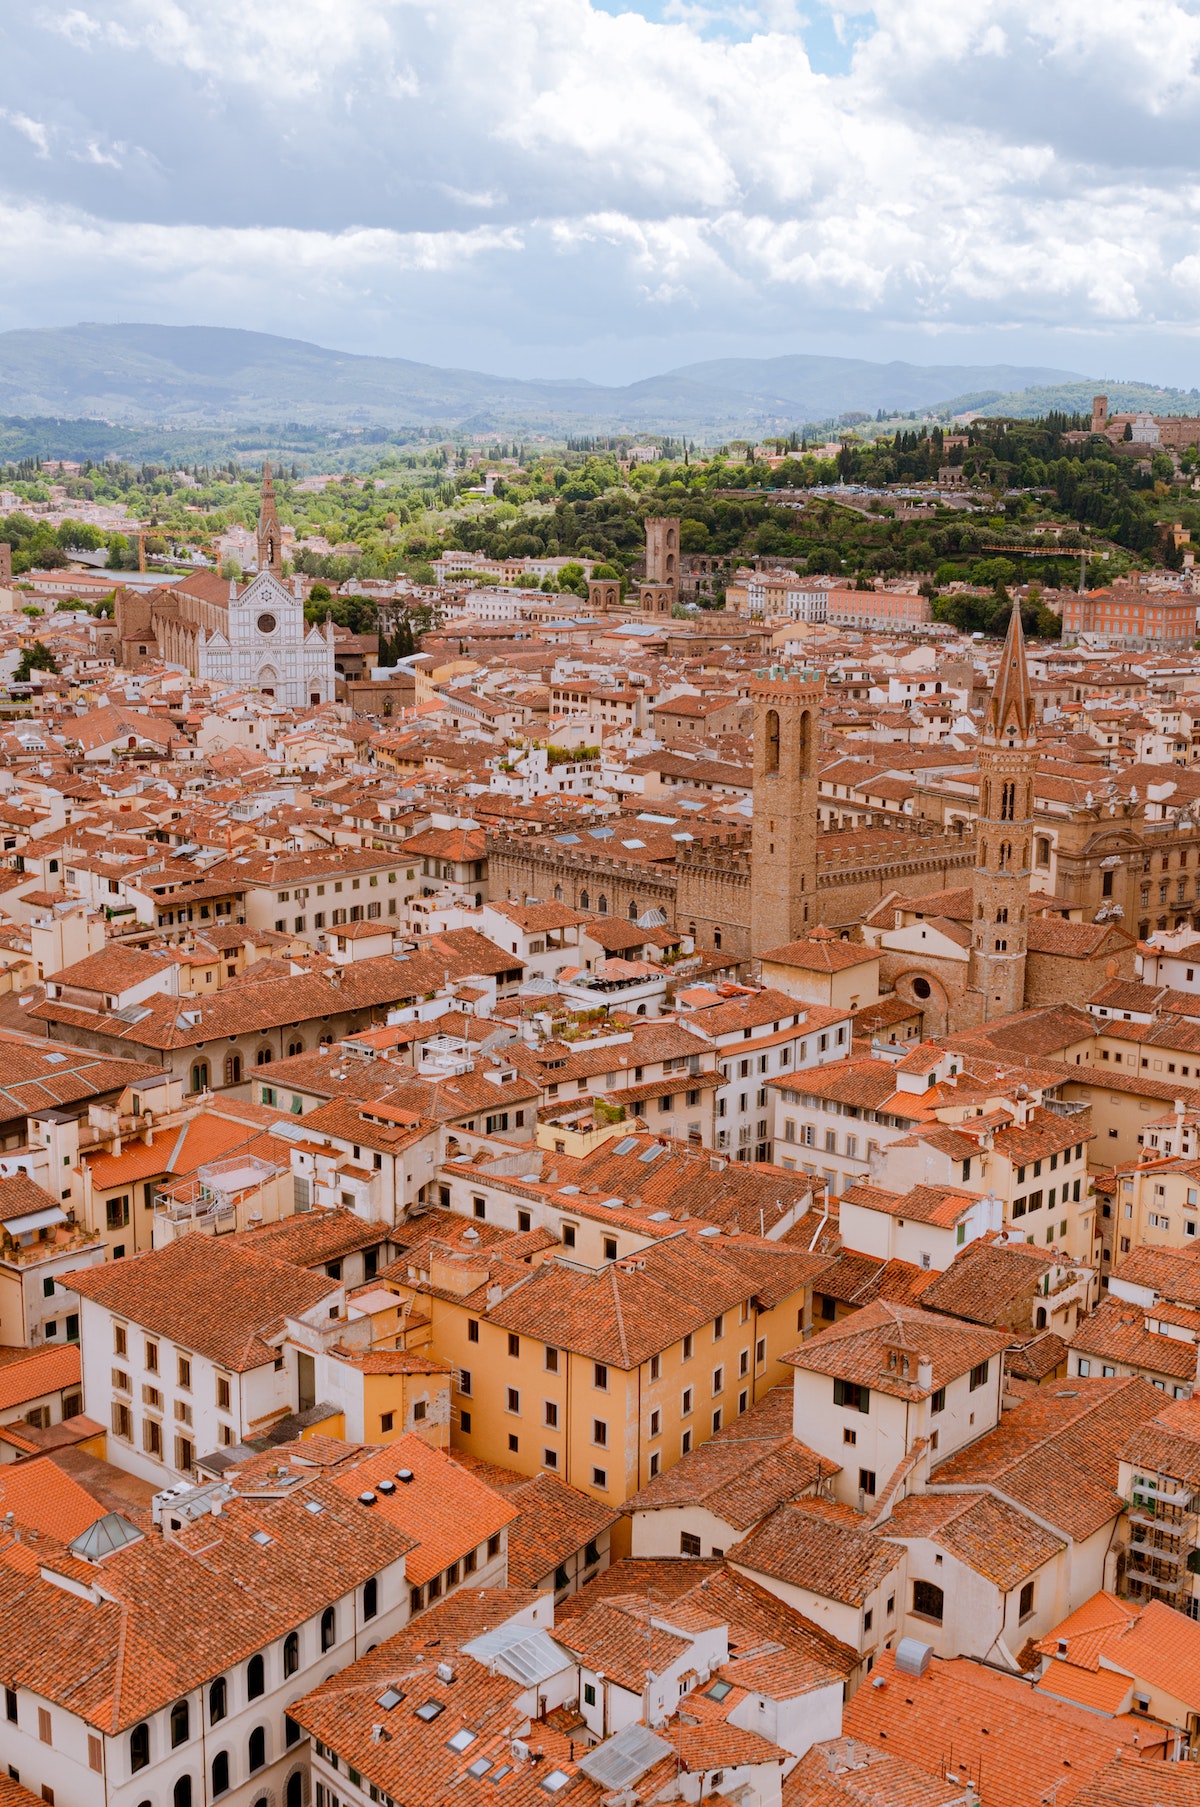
558, 893
139, 1746
328, 1628
632, 910
805, 759
602, 904
1040, 1319
256, 1683
200, 1076
370, 1598
295, 1790
291, 1653
771, 742
179, 1723
233, 1069
584, 902
256, 1749
217, 1704
220, 1773
326, 1040
263, 1058
182, 1795
295, 1047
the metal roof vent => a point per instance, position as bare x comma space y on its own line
912, 1657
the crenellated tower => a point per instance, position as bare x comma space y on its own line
1004, 835
783, 878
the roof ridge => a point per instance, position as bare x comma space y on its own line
616, 1293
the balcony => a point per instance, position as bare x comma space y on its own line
210, 1201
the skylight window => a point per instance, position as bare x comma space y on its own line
556, 1779
391, 1697
430, 1710
313, 1506
461, 1740
718, 1691
479, 1768
260, 1537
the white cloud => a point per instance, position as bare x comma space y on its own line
319, 167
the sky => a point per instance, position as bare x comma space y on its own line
608, 188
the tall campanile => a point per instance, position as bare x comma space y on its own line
783, 874
1004, 846
270, 551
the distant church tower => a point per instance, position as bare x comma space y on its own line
783, 874
1004, 844
270, 549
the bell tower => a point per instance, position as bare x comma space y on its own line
1004, 836
783, 872
270, 550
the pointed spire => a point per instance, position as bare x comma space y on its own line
1011, 706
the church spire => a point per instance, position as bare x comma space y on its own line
270, 552
1010, 712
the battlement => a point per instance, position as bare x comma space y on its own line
788, 684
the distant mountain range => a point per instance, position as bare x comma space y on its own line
189, 377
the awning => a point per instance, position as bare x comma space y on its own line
34, 1220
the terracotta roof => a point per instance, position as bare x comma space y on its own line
858, 1349
1058, 1452
35, 1372
171, 1291
744, 1472
1014, 1745
824, 1548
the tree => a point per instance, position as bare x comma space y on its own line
34, 658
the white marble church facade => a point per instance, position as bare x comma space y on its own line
269, 647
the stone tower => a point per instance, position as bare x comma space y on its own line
783, 875
662, 551
270, 550
1004, 845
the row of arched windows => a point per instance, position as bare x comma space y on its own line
256, 1687
201, 1071
181, 1794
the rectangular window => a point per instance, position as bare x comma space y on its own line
600, 1478
550, 1414
185, 1371
760, 1352
600, 1432
464, 1381
689, 1544
937, 1401
866, 1481
472, 1330
514, 1344
223, 1393
45, 1730
686, 1402
513, 1399
551, 1359
1026, 1604
152, 1357
979, 1375
600, 1376
852, 1394
718, 1384
928, 1601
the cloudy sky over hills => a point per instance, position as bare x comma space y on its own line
563, 187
